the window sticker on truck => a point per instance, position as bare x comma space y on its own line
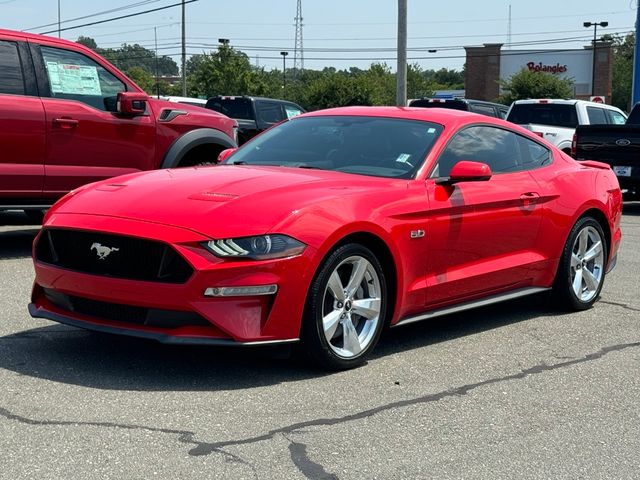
73, 79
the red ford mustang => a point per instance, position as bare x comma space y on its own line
328, 227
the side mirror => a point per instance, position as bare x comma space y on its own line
132, 103
466, 171
224, 154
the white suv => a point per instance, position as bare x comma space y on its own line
556, 120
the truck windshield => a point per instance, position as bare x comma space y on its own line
233, 107
554, 114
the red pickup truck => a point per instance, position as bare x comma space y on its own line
68, 117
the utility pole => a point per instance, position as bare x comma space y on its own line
184, 52
59, 19
284, 72
401, 75
155, 38
635, 96
593, 66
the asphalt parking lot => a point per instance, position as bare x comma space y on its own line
511, 391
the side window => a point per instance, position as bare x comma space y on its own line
532, 154
291, 111
615, 118
496, 147
11, 79
73, 76
483, 109
269, 112
596, 115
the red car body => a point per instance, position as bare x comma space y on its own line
484, 240
53, 143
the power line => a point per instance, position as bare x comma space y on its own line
121, 17
105, 12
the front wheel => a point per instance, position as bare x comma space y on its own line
346, 308
581, 271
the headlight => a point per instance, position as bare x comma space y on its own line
261, 247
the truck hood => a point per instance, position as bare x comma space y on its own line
219, 201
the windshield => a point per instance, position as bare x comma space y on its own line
376, 146
239, 108
554, 114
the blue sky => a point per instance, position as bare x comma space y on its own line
338, 33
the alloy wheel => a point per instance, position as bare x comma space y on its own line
587, 264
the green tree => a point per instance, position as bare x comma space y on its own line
622, 70
143, 79
526, 84
87, 42
225, 72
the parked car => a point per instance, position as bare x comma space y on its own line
556, 120
68, 117
328, 227
253, 114
615, 145
196, 102
465, 104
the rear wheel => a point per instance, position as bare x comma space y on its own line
581, 271
346, 309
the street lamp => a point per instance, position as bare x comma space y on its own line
595, 26
284, 69
223, 41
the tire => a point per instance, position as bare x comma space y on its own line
579, 280
346, 309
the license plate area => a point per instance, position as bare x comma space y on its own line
622, 171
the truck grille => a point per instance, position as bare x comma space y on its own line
112, 256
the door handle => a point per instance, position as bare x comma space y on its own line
529, 198
65, 122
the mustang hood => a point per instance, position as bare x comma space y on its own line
217, 201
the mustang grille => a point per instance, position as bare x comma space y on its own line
130, 314
112, 255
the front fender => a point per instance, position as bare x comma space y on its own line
193, 138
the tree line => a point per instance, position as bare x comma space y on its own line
227, 71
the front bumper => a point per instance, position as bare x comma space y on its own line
247, 320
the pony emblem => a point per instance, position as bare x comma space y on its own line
102, 251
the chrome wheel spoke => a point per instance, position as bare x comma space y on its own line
350, 337
368, 308
590, 280
330, 323
577, 283
583, 238
336, 288
359, 269
593, 252
575, 261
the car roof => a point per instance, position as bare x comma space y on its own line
37, 37
436, 115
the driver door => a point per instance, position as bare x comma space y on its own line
87, 139
482, 234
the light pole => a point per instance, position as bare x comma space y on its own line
284, 70
595, 26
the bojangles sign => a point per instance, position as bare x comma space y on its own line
540, 67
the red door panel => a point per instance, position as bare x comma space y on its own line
482, 236
87, 144
22, 146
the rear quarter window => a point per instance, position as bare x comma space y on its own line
11, 79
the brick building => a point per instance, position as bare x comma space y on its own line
486, 65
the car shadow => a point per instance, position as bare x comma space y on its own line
74, 356
631, 208
15, 242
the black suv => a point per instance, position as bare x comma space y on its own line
253, 114
476, 106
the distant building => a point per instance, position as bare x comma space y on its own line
486, 65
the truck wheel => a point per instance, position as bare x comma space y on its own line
201, 155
